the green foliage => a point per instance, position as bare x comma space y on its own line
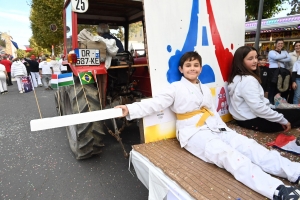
270, 8
42, 15
295, 5
134, 28
37, 50
91, 28
2, 42
21, 53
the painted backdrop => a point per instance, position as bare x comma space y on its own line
213, 28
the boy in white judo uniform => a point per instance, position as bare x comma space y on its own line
201, 131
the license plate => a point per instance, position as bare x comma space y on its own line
87, 56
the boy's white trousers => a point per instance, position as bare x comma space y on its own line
244, 158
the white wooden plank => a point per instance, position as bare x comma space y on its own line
68, 120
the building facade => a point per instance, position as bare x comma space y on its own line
287, 28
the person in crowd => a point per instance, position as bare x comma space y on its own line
48, 59
278, 58
103, 31
55, 65
3, 77
201, 131
46, 72
296, 82
18, 70
7, 64
262, 64
247, 103
295, 56
64, 68
34, 71
26, 65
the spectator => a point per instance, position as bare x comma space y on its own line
7, 64
27, 66
262, 64
34, 71
295, 56
296, 82
278, 58
55, 65
48, 59
18, 70
64, 68
46, 71
3, 77
103, 31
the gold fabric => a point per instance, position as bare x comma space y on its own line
206, 113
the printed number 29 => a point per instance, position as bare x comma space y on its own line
80, 5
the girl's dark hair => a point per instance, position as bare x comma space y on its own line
296, 43
238, 68
191, 55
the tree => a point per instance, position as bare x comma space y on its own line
2, 42
91, 28
42, 15
134, 28
295, 5
120, 33
270, 8
36, 50
21, 53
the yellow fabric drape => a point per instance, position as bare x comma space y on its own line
206, 113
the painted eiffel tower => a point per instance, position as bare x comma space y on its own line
207, 42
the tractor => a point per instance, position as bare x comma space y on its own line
126, 80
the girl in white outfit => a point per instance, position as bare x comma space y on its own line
3, 77
247, 103
201, 131
18, 70
56, 66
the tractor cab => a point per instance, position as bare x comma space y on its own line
83, 14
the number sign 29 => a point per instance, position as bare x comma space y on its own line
80, 6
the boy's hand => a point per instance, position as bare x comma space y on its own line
124, 108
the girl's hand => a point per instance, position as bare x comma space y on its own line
124, 108
286, 127
294, 85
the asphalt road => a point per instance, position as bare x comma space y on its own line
40, 165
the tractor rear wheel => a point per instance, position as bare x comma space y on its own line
85, 139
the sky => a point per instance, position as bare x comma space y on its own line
14, 19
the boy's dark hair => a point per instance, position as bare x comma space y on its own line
238, 67
190, 55
279, 39
261, 57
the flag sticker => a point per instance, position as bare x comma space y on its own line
86, 78
60, 80
54, 81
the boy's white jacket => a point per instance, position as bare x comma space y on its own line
18, 69
247, 101
182, 97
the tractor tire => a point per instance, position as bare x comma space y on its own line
85, 139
